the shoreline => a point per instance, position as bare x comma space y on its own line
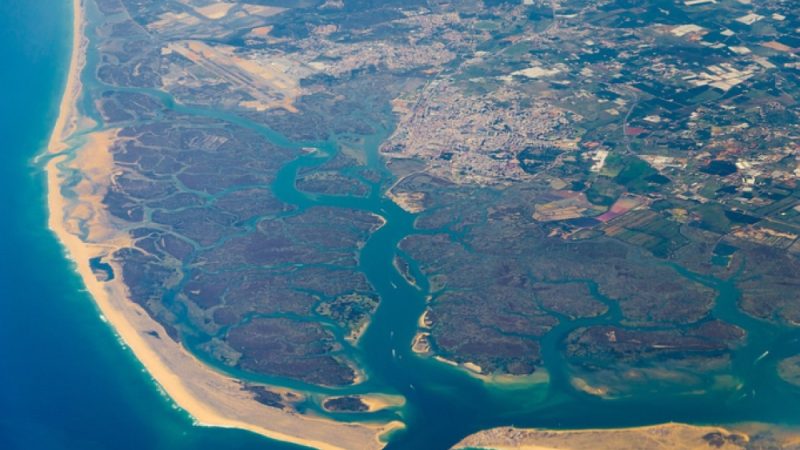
209, 397
666, 435
67, 121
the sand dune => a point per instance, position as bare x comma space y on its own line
87, 231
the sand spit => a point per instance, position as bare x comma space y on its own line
672, 436
86, 231
378, 402
667, 436
508, 381
68, 119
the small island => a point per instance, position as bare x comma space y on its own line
352, 224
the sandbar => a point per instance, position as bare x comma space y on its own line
86, 231
668, 436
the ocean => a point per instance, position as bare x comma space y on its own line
65, 380
67, 383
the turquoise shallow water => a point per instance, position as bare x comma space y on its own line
66, 383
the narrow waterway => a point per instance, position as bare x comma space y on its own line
67, 383
65, 380
444, 404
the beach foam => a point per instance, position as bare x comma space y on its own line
210, 397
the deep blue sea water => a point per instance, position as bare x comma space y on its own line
65, 381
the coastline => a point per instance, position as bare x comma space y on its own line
667, 435
209, 397
67, 121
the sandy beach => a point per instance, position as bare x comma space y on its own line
377, 402
68, 117
670, 435
86, 231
